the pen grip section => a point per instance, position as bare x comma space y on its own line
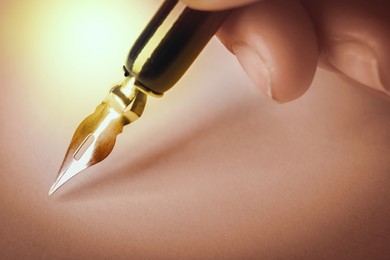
170, 43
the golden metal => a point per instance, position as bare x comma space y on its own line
160, 56
95, 137
149, 92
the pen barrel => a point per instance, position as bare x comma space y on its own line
170, 43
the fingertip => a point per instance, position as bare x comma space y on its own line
359, 62
276, 46
354, 37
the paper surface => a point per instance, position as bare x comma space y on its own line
212, 170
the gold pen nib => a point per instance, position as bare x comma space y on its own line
95, 137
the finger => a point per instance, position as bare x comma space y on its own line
355, 38
276, 45
216, 4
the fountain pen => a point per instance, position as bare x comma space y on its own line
162, 53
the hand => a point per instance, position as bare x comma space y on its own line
280, 42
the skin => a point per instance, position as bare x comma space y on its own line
278, 42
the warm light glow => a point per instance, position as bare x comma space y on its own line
72, 48
69, 53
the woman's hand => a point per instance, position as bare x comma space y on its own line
280, 42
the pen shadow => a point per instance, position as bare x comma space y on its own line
138, 164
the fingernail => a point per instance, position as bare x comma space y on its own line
357, 61
254, 66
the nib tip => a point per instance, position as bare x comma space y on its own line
52, 189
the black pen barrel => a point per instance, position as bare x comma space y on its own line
170, 43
